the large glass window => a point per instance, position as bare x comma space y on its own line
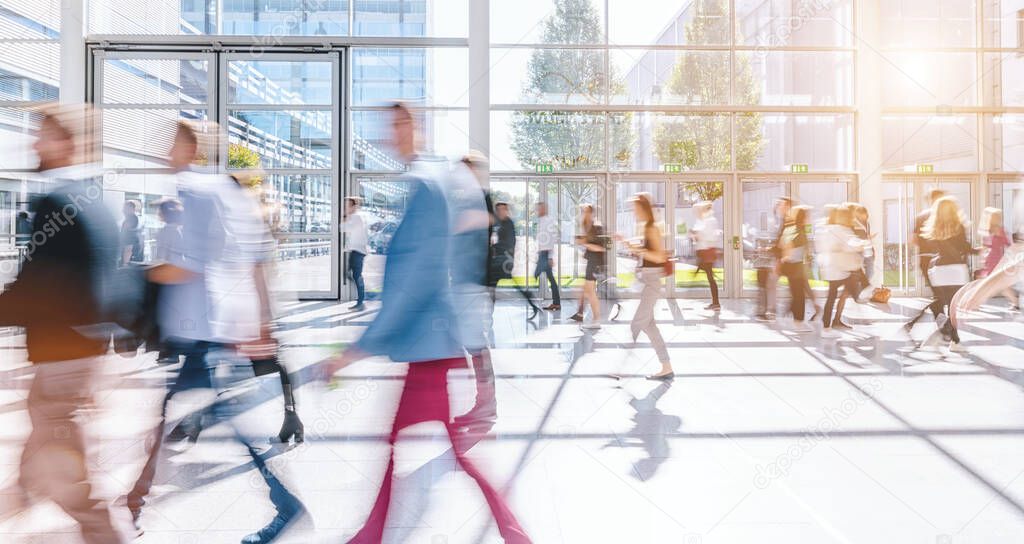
935, 23
272, 19
676, 90
947, 142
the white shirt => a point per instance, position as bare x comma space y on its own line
707, 234
547, 233
355, 233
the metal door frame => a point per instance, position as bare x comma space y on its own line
919, 185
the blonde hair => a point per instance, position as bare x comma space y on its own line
842, 216
798, 215
989, 216
945, 221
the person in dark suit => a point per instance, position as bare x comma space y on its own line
61, 299
503, 253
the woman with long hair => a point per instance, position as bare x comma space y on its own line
649, 249
841, 254
948, 270
592, 239
707, 237
995, 241
793, 263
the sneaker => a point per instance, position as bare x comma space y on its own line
827, 332
802, 326
591, 326
957, 348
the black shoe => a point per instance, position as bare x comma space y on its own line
274, 528
189, 428
577, 317
291, 427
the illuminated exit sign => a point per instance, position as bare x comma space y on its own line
545, 168
798, 168
673, 168
925, 168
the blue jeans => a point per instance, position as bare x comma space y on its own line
355, 270
544, 267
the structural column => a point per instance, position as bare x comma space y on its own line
870, 157
479, 77
72, 51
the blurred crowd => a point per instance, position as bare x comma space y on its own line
205, 307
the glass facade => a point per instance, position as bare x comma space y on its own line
731, 94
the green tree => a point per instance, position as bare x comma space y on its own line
701, 142
242, 158
570, 140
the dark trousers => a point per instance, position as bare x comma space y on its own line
935, 305
194, 374
544, 266
708, 267
355, 270
848, 285
765, 304
944, 297
425, 398
796, 274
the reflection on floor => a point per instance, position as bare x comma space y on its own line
765, 436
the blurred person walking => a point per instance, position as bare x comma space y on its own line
503, 252
547, 238
925, 253
131, 233
793, 263
355, 244
69, 264
417, 324
470, 232
946, 232
995, 241
707, 236
595, 249
841, 253
211, 303
862, 228
650, 252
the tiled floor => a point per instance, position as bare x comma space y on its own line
765, 436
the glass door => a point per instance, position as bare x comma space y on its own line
281, 113
761, 222
690, 198
904, 198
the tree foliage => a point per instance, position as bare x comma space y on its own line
570, 140
702, 141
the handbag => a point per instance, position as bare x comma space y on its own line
945, 275
668, 267
881, 295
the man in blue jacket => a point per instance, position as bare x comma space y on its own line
417, 324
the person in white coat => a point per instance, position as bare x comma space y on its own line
840, 253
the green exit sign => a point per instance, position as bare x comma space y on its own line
926, 169
673, 168
798, 168
545, 168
